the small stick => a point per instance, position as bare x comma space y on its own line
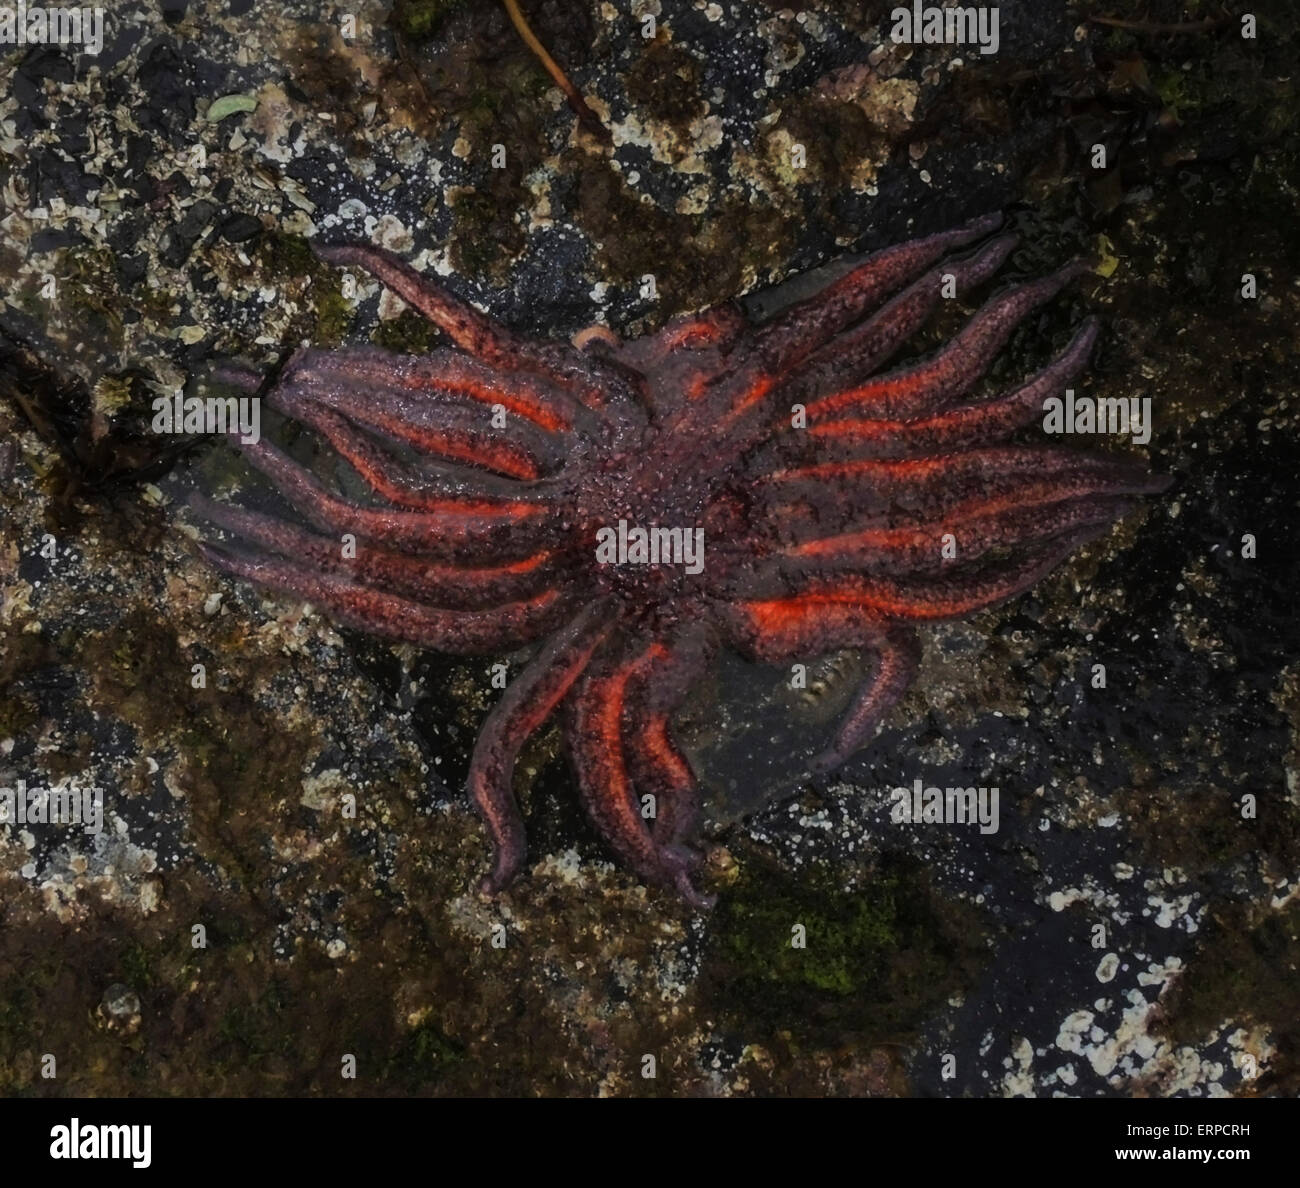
1159, 27
586, 116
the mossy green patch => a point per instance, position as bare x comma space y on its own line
486, 238
286, 255
313, 285
89, 278
418, 19
803, 956
137, 965
424, 1057
408, 334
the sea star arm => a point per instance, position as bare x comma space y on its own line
799, 330
745, 406
439, 378
803, 502
897, 657
525, 705
456, 434
945, 377
865, 346
472, 331
243, 378
685, 358
961, 427
718, 327
659, 769
454, 587
466, 326
596, 714
403, 619
483, 527
663, 676
874, 613
916, 550
912, 550
857, 352
941, 380
773, 625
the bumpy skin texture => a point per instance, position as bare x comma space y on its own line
494, 466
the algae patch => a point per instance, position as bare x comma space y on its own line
876, 960
312, 285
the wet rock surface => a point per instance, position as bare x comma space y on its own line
283, 872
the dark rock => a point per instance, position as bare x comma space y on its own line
55, 237
239, 228
132, 269
166, 80
182, 237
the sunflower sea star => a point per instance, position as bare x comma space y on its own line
634, 505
